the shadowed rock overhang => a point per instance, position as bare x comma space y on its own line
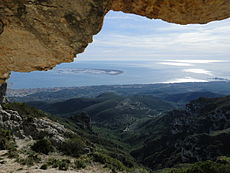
38, 34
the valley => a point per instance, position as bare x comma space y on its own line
147, 127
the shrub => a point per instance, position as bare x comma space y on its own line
98, 157
44, 167
29, 160
208, 166
64, 164
43, 146
6, 140
80, 163
13, 153
53, 162
60, 164
201, 167
223, 160
74, 147
109, 162
123, 158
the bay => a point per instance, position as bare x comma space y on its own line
91, 73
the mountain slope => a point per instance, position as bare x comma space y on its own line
184, 98
146, 127
109, 109
56, 143
200, 132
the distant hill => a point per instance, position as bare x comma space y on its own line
184, 98
108, 109
156, 90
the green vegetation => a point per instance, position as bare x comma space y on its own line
64, 164
13, 153
108, 161
43, 146
221, 165
6, 140
74, 147
79, 163
60, 164
81, 144
44, 167
29, 160
128, 131
108, 110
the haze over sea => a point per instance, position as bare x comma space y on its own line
91, 73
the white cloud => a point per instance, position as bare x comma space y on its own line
131, 37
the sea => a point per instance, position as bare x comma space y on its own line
92, 73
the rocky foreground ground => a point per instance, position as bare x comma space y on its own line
25, 134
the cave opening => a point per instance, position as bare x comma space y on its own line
131, 49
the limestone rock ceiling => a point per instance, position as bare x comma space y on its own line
176, 11
38, 34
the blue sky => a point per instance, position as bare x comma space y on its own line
132, 37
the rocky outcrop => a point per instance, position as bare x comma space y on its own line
11, 120
38, 34
33, 128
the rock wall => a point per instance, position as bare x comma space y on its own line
2, 92
36, 128
38, 34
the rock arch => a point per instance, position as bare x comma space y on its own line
38, 34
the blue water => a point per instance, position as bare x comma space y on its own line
133, 72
